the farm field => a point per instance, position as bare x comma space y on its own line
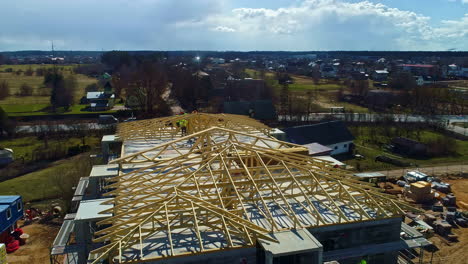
35, 104
324, 92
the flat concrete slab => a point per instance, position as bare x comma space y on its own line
109, 170
291, 242
89, 210
109, 138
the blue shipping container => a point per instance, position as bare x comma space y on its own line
11, 210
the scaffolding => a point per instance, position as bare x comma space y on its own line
219, 189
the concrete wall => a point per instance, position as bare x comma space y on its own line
233, 256
349, 239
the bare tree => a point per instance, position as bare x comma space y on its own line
25, 90
29, 71
147, 83
4, 90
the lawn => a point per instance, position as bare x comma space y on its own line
307, 83
256, 74
24, 67
369, 143
13, 109
19, 105
47, 183
23, 147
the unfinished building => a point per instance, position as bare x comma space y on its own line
227, 192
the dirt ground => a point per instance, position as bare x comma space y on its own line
452, 252
37, 248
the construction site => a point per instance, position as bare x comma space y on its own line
225, 188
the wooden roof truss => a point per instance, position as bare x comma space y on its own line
228, 194
167, 128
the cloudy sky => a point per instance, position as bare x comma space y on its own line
234, 24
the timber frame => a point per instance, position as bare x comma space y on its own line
226, 189
166, 127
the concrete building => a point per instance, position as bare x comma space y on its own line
227, 192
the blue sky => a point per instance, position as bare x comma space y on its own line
235, 24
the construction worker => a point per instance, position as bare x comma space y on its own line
363, 261
183, 126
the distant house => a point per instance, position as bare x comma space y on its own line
409, 147
218, 60
11, 210
380, 75
100, 101
420, 69
333, 134
258, 109
424, 80
328, 71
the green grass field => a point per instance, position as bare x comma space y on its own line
24, 67
47, 183
306, 83
33, 105
256, 74
23, 147
370, 148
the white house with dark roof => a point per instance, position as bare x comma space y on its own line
334, 135
100, 101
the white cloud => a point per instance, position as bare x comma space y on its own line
453, 28
224, 29
338, 24
224, 25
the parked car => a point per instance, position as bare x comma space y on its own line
107, 119
6, 156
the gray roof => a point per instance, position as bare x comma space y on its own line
370, 175
316, 148
326, 133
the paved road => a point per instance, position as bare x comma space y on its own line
55, 127
436, 170
354, 117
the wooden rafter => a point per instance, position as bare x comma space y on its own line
239, 189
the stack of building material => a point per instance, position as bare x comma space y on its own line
429, 218
441, 187
3, 254
442, 227
460, 219
450, 217
449, 200
420, 191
